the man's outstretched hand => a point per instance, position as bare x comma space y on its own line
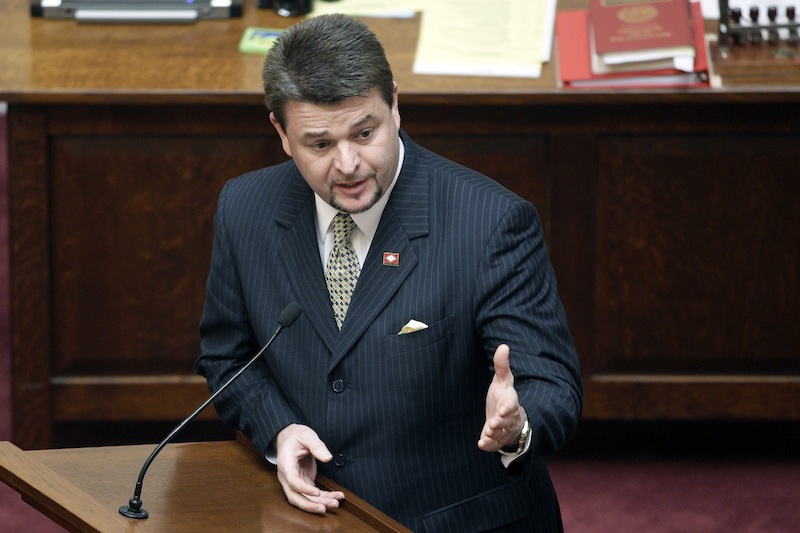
505, 417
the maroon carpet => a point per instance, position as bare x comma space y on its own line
678, 496
703, 491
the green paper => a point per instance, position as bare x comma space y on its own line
258, 40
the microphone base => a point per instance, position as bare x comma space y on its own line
133, 513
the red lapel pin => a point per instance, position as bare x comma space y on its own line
391, 259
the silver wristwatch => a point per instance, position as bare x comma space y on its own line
522, 442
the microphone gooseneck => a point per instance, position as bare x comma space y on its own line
134, 508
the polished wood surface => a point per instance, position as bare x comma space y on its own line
670, 216
213, 486
60, 61
54, 61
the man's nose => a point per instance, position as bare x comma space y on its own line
347, 159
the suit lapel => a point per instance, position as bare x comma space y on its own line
377, 282
300, 255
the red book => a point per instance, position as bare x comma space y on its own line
574, 58
641, 30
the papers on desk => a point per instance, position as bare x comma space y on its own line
371, 8
507, 38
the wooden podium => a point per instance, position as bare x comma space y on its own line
195, 487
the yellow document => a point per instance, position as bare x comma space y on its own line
510, 38
371, 8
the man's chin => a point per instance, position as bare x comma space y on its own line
356, 205
352, 207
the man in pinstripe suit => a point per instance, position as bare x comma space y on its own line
453, 374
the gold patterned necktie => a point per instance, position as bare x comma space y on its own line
343, 268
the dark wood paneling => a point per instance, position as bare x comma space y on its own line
129, 398
29, 275
672, 230
131, 231
112, 211
662, 397
697, 255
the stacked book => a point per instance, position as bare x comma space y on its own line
633, 43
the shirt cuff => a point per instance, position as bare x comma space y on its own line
509, 457
272, 454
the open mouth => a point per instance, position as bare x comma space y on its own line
352, 188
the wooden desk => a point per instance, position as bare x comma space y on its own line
671, 217
210, 486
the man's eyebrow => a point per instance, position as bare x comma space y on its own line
365, 119
315, 134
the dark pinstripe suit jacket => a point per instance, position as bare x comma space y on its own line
401, 413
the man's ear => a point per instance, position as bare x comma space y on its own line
395, 105
281, 133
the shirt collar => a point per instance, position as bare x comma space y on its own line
367, 221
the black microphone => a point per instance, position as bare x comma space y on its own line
134, 507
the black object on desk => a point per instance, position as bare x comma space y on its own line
136, 11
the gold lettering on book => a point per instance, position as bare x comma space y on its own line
613, 3
637, 14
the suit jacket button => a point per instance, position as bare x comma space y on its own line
338, 385
339, 460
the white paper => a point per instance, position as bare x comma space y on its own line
510, 38
370, 8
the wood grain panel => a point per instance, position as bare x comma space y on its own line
29, 275
131, 232
697, 254
680, 397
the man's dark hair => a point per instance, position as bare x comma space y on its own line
325, 60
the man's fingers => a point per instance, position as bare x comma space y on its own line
502, 405
309, 497
502, 368
329, 499
506, 405
321, 452
493, 438
489, 443
297, 483
316, 504
302, 502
